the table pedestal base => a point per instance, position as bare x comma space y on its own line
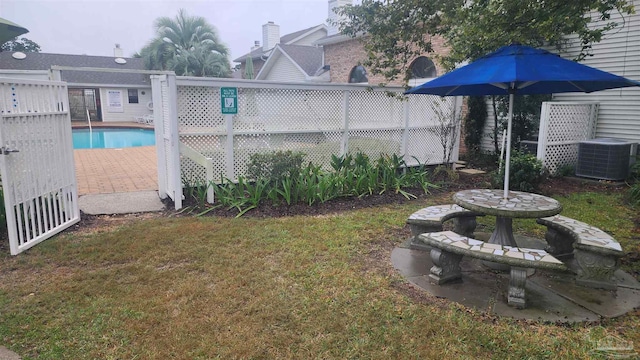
502, 235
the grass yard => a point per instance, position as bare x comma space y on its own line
293, 287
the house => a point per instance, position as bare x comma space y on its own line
103, 96
321, 54
344, 55
292, 57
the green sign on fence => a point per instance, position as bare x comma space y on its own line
229, 100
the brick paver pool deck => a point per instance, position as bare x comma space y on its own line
104, 171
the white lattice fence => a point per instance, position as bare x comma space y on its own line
562, 126
317, 120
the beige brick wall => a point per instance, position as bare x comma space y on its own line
345, 55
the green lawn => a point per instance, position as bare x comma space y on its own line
299, 287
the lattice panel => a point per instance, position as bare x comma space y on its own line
191, 173
569, 123
424, 109
288, 109
565, 126
246, 145
375, 143
309, 121
370, 110
199, 109
425, 145
210, 146
558, 155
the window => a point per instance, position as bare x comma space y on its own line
358, 75
423, 68
133, 96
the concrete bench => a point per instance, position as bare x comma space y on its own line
448, 248
432, 218
588, 251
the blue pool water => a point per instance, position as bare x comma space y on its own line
112, 138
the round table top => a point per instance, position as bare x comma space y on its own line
517, 205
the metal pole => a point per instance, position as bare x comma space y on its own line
507, 161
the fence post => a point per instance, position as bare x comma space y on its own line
174, 148
405, 132
229, 147
543, 130
344, 144
158, 124
593, 118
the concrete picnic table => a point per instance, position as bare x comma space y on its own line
517, 205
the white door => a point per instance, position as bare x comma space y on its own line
36, 161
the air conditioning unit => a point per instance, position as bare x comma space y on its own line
605, 159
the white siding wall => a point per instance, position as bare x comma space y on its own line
311, 38
130, 110
618, 53
283, 70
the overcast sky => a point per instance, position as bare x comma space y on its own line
92, 27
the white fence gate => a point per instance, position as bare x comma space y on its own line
165, 120
562, 126
36, 161
318, 120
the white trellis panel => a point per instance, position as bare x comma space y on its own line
562, 126
39, 180
317, 120
166, 132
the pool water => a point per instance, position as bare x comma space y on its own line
112, 138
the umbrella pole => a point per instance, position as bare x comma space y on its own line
507, 161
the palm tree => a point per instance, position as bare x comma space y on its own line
188, 45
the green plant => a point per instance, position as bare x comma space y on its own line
633, 194
526, 173
275, 166
566, 170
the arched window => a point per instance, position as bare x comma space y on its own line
358, 74
423, 68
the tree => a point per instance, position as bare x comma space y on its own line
188, 45
22, 44
397, 31
248, 69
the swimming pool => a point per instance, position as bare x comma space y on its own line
101, 138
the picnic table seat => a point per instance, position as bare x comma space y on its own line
432, 219
448, 248
588, 251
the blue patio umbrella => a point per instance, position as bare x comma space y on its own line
520, 70
9, 30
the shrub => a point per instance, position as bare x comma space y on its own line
474, 123
634, 180
526, 173
275, 166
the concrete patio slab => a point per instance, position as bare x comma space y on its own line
120, 203
551, 296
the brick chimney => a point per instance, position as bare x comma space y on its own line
117, 51
256, 44
333, 4
270, 35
